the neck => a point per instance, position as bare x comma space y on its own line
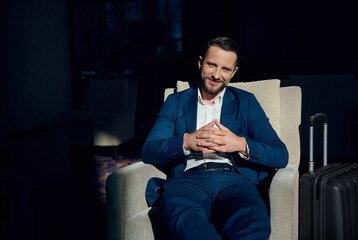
207, 97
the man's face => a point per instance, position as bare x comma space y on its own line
217, 69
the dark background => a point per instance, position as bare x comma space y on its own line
49, 50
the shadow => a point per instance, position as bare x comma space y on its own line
158, 225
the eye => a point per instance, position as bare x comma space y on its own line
210, 64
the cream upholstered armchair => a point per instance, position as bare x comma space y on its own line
129, 217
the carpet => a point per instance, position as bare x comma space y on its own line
106, 165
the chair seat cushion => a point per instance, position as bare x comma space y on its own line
150, 223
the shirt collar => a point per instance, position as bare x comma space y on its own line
218, 99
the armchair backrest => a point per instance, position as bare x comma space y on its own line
282, 106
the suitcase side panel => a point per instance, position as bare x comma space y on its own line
315, 195
337, 197
334, 213
341, 205
305, 210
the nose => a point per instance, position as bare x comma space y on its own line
216, 74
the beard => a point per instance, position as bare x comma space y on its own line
212, 89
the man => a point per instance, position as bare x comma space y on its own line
215, 144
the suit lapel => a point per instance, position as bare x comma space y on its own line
229, 110
190, 108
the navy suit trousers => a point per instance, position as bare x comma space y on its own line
214, 205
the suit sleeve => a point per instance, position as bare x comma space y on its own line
265, 146
162, 145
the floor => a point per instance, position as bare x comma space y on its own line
64, 211
75, 207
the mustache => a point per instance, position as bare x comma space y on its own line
216, 80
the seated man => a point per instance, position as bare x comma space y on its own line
215, 144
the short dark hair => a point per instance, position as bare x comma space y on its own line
226, 44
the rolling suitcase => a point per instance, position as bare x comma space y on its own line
328, 197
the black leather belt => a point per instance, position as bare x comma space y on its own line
211, 166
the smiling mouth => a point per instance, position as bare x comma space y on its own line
214, 82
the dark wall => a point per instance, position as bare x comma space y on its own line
36, 61
35, 87
277, 37
335, 95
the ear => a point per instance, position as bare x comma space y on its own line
200, 60
235, 70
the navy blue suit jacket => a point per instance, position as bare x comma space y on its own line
240, 112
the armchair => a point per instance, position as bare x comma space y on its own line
129, 217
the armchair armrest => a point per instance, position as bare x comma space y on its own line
122, 206
283, 194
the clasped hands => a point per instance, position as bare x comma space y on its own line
210, 139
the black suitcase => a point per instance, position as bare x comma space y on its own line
328, 197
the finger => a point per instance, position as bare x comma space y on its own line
213, 150
207, 150
217, 142
211, 124
211, 143
220, 126
208, 126
218, 149
206, 144
210, 134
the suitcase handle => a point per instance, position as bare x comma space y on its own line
318, 116
313, 119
